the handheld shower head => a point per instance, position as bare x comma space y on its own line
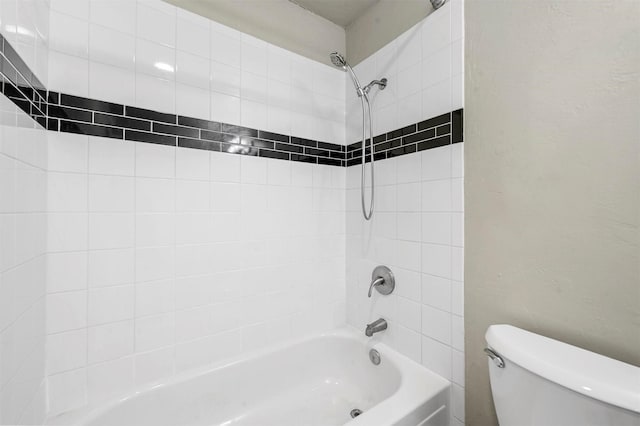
338, 60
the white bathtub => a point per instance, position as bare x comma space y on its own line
314, 381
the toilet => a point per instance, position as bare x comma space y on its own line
537, 381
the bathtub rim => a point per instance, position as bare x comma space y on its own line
417, 383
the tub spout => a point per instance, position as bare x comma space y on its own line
375, 327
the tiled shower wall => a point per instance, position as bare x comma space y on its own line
22, 267
163, 259
23, 155
149, 54
417, 228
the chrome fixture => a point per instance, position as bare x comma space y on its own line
363, 93
437, 3
374, 356
495, 357
382, 279
375, 327
355, 413
380, 83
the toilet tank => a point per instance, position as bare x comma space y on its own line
545, 382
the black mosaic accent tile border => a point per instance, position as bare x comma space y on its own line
97, 118
75, 114
434, 132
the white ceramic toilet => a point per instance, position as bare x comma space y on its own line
537, 381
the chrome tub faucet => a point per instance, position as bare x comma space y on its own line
375, 327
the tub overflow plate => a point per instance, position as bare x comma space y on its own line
374, 356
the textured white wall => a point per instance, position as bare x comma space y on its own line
553, 189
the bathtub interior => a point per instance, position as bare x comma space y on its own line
316, 382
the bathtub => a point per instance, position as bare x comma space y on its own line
318, 380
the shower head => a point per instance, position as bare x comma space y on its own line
437, 3
338, 60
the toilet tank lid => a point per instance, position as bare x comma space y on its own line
588, 373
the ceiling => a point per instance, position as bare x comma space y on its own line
340, 12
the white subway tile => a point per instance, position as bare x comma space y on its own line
457, 298
106, 380
225, 79
155, 229
68, 74
119, 15
110, 341
225, 168
408, 314
156, 24
225, 48
67, 152
67, 231
66, 351
436, 196
68, 34
436, 31
154, 263
154, 332
436, 67
436, 228
436, 291
436, 163
112, 84
192, 102
111, 267
436, 324
254, 55
111, 47
409, 226
110, 304
192, 164
436, 99
457, 332
66, 311
436, 260
153, 366
193, 34
409, 197
458, 367
192, 70
225, 108
154, 298
110, 157
76, 8
66, 192
155, 195
155, 93
192, 196
66, 271
67, 391
457, 403
111, 230
111, 194
436, 357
